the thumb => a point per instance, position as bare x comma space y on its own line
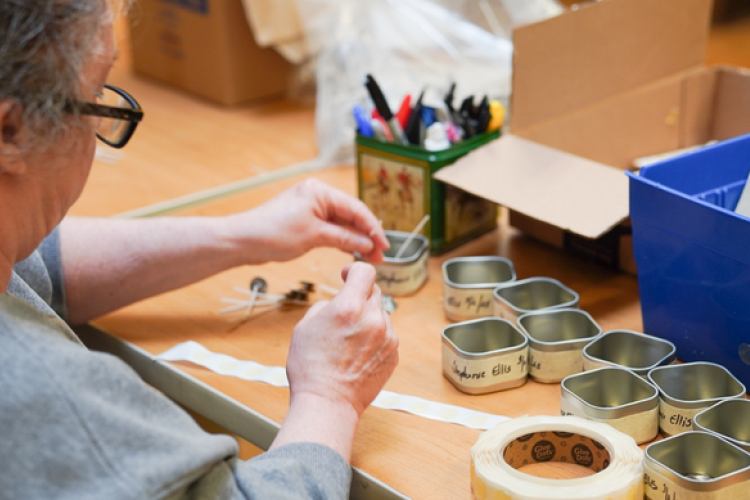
359, 280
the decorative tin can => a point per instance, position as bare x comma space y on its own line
468, 283
615, 396
696, 466
515, 299
688, 388
485, 355
729, 419
404, 275
638, 352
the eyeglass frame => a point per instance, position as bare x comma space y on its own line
132, 116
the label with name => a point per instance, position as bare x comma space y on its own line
485, 372
553, 366
462, 304
643, 426
402, 279
658, 487
674, 420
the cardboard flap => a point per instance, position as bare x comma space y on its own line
573, 193
600, 50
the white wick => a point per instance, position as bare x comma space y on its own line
411, 236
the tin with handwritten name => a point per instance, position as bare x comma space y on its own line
468, 283
696, 466
485, 355
686, 389
556, 341
513, 300
406, 274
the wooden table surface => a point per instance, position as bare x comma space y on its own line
187, 144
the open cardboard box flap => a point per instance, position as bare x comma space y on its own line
593, 89
544, 183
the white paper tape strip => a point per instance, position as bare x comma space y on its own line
613, 456
276, 375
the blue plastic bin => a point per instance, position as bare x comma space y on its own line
693, 253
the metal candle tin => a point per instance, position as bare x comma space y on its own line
729, 419
688, 388
468, 283
635, 351
485, 355
513, 300
696, 466
407, 274
615, 396
556, 341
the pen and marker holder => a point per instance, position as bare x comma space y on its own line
395, 182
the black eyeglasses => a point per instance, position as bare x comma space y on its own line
119, 114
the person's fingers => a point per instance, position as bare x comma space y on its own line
358, 282
344, 239
350, 211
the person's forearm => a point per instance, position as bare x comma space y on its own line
314, 419
109, 263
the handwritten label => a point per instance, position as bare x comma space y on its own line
402, 279
674, 420
642, 426
486, 372
658, 487
464, 304
555, 365
503, 311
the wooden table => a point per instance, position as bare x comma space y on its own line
418, 457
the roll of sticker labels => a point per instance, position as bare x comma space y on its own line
615, 459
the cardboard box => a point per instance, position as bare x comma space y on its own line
594, 89
205, 47
692, 253
396, 183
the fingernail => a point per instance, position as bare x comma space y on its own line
365, 244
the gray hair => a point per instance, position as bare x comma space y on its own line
43, 47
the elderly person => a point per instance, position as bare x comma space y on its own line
78, 424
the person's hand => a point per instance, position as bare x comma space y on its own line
308, 215
344, 350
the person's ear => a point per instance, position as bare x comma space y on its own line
12, 160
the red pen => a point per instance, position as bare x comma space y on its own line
386, 130
404, 111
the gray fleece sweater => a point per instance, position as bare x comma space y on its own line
77, 424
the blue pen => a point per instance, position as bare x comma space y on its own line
363, 122
428, 116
